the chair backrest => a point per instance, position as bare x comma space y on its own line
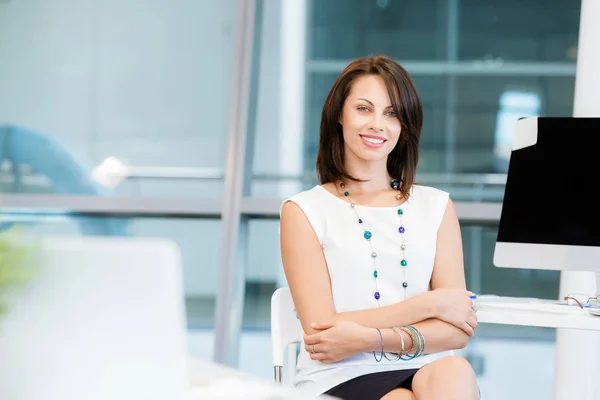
286, 330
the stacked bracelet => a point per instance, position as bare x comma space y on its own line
382, 348
418, 343
398, 355
410, 353
417, 348
422, 341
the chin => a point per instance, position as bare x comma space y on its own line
372, 156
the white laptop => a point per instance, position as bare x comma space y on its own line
103, 319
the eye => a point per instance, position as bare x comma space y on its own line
362, 108
391, 113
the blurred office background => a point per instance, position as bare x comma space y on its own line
163, 93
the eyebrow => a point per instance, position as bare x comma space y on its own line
363, 99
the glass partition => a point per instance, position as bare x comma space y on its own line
476, 68
115, 97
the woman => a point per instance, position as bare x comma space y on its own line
374, 262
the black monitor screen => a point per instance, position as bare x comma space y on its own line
552, 188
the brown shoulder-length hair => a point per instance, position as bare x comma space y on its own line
402, 161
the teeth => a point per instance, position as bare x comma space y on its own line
371, 140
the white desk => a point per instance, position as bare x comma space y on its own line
491, 311
509, 311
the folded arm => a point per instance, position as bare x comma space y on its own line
307, 276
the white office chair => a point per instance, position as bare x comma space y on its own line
286, 332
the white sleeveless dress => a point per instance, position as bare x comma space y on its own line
350, 266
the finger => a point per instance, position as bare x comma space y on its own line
312, 339
468, 329
311, 348
322, 325
472, 322
318, 356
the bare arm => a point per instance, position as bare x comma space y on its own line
438, 338
448, 272
306, 272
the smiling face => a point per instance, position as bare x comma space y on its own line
360, 137
370, 126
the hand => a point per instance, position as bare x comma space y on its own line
337, 340
455, 307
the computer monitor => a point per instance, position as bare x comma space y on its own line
551, 210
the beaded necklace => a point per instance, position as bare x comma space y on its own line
368, 235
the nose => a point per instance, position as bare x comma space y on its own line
376, 123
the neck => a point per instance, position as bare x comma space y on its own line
374, 175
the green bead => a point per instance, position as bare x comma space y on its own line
346, 194
405, 285
403, 263
375, 274
400, 212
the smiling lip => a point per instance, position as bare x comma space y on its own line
373, 141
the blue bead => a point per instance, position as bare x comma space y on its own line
368, 235
401, 229
360, 221
395, 184
377, 296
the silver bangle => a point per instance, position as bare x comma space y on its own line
397, 356
399, 332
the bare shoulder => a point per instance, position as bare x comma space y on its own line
450, 208
290, 209
292, 214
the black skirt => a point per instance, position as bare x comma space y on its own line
373, 386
